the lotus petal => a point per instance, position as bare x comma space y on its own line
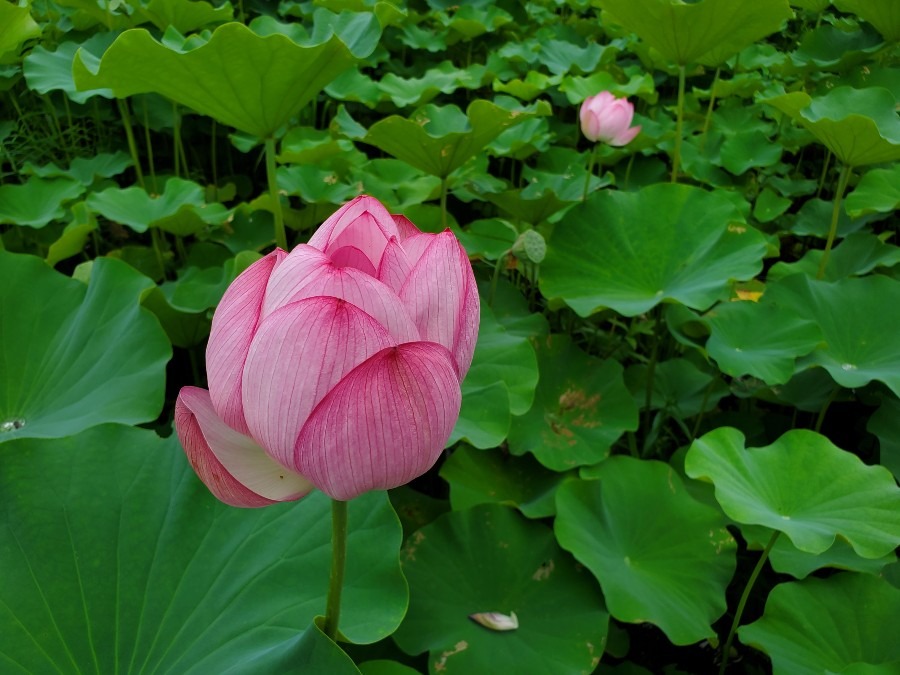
234, 468
350, 256
442, 298
299, 353
405, 227
394, 266
233, 326
308, 272
384, 424
363, 223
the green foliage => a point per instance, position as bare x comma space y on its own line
693, 332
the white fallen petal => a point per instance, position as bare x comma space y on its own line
496, 620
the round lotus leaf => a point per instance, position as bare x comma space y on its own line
499, 384
802, 485
709, 31
856, 138
91, 354
883, 14
846, 623
253, 83
761, 339
491, 559
629, 251
581, 408
859, 334
118, 559
659, 555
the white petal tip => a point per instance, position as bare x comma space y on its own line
496, 621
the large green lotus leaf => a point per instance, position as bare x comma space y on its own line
200, 288
629, 251
396, 183
858, 254
788, 559
116, 558
856, 138
253, 83
885, 424
802, 485
858, 330
489, 477
661, 556
491, 559
181, 208
73, 238
749, 150
709, 31
762, 339
315, 185
84, 169
16, 26
640, 84
844, 624
185, 16
883, 14
440, 139
90, 355
581, 408
878, 191
444, 78
499, 384
37, 201
836, 48
47, 70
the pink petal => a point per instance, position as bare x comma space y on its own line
384, 424
625, 137
405, 227
363, 223
299, 353
442, 298
394, 266
235, 469
233, 326
350, 256
307, 273
416, 245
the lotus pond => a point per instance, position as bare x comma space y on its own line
678, 442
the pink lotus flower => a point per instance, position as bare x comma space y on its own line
607, 118
337, 366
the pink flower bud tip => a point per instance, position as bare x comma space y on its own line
607, 118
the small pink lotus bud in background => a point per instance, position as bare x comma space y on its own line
336, 366
608, 119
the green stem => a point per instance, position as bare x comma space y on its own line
149, 145
2, 245
338, 559
651, 371
824, 173
129, 134
176, 139
628, 170
592, 158
835, 214
743, 601
495, 277
709, 108
280, 235
679, 126
824, 410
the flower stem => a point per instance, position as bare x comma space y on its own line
679, 126
592, 158
835, 216
129, 135
743, 601
280, 236
338, 558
